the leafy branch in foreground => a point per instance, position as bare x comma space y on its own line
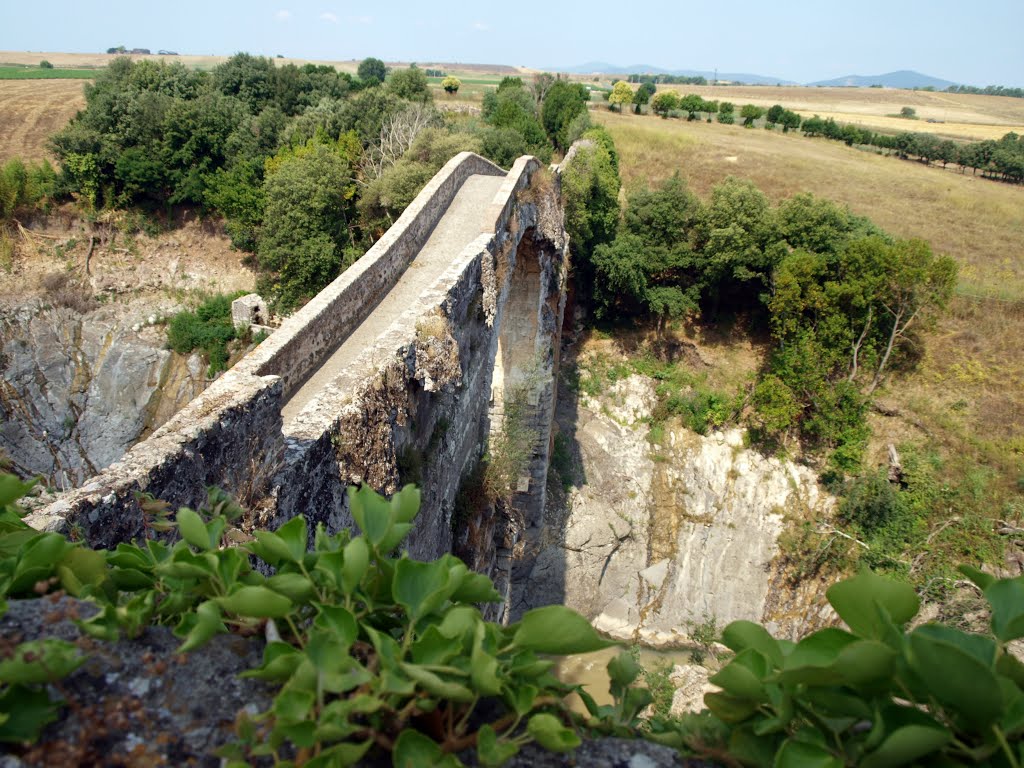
872, 696
367, 650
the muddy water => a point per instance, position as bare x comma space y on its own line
591, 670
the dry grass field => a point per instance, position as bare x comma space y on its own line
961, 115
31, 110
966, 397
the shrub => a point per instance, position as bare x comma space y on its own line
208, 328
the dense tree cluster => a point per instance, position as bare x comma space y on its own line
308, 165
841, 300
988, 90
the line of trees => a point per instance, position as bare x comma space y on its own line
988, 90
1002, 159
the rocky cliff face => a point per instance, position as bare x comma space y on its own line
661, 538
79, 389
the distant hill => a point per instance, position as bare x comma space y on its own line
604, 68
905, 78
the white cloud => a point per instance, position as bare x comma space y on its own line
283, 15
328, 16
363, 19
480, 26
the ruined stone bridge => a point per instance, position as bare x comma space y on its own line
396, 372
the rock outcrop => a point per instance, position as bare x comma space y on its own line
79, 389
663, 538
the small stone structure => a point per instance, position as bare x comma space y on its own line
249, 310
411, 407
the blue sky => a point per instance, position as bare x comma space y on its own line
802, 40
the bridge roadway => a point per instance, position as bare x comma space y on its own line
463, 222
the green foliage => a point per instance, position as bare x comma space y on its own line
621, 94
208, 328
590, 195
310, 212
512, 111
24, 186
664, 103
372, 71
44, 64
750, 113
876, 694
374, 652
563, 102
451, 84
410, 84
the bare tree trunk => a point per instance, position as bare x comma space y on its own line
896, 331
859, 344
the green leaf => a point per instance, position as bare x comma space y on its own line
192, 529
340, 621
81, 568
372, 513
814, 658
12, 489
356, 563
728, 708
1006, 597
549, 732
743, 676
207, 623
740, 635
293, 706
414, 750
490, 751
432, 647
483, 667
558, 630
436, 685
857, 601
294, 586
405, 504
38, 561
459, 621
800, 754
340, 754
271, 548
476, 588
280, 660
295, 536
420, 588
40, 661
954, 670
257, 602
907, 745
866, 662
28, 711
623, 669
980, 578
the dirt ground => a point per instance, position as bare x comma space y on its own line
193, 258
32, 110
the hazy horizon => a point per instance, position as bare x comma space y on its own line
801, 41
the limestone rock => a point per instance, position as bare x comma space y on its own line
79, 389
691, 683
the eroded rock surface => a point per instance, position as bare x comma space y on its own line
661, 538
79, 389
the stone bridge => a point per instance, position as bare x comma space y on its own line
399, 371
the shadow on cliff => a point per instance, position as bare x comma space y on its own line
539, 575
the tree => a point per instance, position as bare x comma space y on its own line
774, 115
725, 113
790, 121
750, 113
621, 94
310, 203
643, 95
908, 112
451, 85
409, 83
372, 71
542, 83
665, 102
563, 102
44, 64
691, 103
